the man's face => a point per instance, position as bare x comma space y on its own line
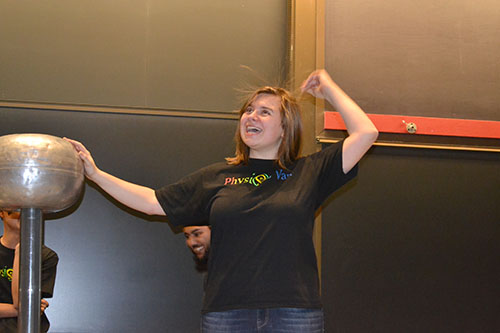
11, 219
198, 240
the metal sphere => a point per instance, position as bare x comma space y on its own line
39, 171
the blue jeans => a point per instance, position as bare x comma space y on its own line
264, 320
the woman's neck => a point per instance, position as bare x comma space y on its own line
263, 156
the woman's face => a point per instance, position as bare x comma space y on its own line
260, 126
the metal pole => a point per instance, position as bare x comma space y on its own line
30, 271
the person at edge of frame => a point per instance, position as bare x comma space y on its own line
9, 274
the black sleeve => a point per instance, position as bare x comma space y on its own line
49, 268
331, 174
186, 202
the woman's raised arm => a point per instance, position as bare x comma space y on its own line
362, 132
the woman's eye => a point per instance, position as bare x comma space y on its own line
248, 110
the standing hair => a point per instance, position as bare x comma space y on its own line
291, 143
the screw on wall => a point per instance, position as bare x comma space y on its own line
410, 127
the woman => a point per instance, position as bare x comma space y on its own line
260, 205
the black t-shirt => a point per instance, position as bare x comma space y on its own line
262, 217
49, 265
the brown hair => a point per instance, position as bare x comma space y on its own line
291, 143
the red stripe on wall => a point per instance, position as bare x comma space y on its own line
424, 125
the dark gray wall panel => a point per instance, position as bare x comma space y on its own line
426, 58
412, 244
152, 54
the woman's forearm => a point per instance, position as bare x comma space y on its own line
7, 310
354, 117
362, 132
135, 196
